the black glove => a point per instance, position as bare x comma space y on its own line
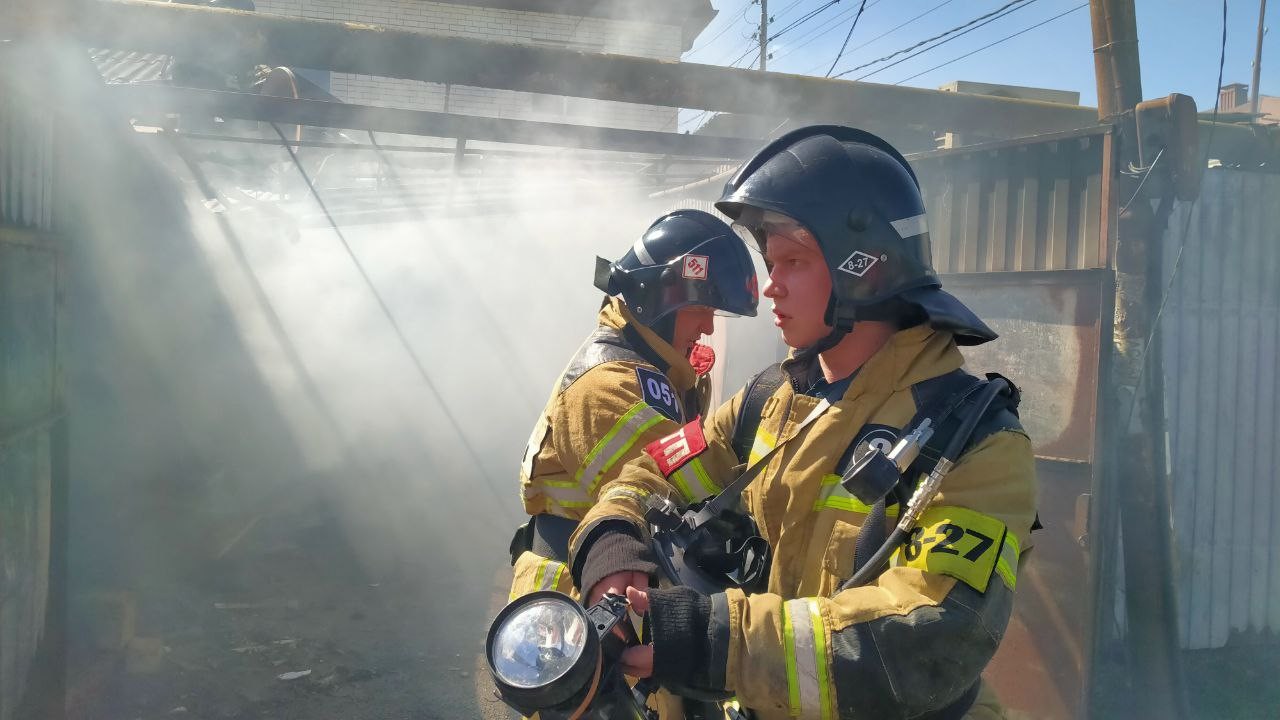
678, 620
613, 546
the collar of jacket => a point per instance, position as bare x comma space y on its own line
910, 356
615, 314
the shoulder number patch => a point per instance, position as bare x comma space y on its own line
678, 448
954, 541
657, 393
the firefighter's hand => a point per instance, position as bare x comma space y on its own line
617, 584
637, 661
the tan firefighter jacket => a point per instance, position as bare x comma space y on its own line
909, 643
608, 404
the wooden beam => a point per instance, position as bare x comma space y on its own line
158, 99
230, 38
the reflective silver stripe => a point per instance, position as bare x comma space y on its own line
806, 667
642, 253
619, 439
686, 483
911, 226
561, 494
551, 573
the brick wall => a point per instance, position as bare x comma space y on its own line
584, 33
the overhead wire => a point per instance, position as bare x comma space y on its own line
945, 37
391, 320
848, 35
993, 44
803, 40
707, 43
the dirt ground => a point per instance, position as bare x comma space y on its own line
288, 626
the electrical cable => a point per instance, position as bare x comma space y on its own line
718, 35
993, 44
1142, 182
946, 36
848, 35
804, 19
395, 326
1186, 228
804, 40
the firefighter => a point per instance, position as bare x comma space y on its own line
838, 214
639, 377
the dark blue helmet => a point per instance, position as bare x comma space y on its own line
861, 201
687, 257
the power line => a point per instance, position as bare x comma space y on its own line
993, 44
848, 35
945, 37
391, 320
804, 19
881, 35
723, 30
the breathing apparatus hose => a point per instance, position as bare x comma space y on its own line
929, 487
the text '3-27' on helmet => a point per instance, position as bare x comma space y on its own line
861, 200
687, 257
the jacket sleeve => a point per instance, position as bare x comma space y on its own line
914, 640
601, 422
622, 497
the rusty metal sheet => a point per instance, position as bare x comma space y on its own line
25, 512
28, 329
1049, 325
1040, 669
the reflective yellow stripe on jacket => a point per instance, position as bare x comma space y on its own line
808, 668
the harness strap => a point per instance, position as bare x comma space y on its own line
759, 390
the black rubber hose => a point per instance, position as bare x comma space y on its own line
875, 565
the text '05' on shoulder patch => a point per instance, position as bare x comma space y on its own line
657, 393
678, 448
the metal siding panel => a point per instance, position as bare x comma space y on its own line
1179, 344
1228, 432
966, 255
1029, 204
24, 545
1059, 207
1269, 347
26, 168
1091, 210
1222, 330
998, 213
27, 332
1201, 600
941, 239
1248, 441
1221, 416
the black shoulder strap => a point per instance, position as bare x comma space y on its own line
1002, 414
604, 345
759, 390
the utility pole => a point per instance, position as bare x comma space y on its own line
1131, 503
1257, 59
764, 34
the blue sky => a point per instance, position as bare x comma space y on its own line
1178, 42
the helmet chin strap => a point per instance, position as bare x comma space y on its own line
833, 338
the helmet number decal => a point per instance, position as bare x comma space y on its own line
858, 263
695, 267
657, 393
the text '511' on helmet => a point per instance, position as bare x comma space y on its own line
687, 257
861, 200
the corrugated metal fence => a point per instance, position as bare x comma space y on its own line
1221, 365
30, 392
